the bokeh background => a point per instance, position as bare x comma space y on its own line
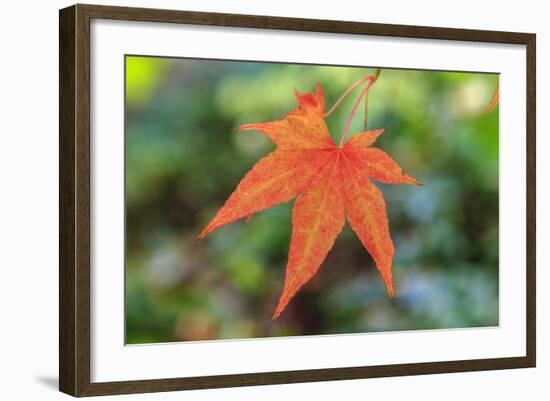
184, 158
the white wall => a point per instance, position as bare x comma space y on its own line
28, 199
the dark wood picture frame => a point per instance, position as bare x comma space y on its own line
74, 204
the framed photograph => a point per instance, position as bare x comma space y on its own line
250, 200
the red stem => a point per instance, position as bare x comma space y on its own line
345, 94
363, 93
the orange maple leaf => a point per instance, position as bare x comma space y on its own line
330, 184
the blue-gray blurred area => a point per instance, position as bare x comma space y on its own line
184, 158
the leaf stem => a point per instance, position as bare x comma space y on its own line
345, 94
371, 79
366, 110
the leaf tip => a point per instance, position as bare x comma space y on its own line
376, 133
203, 234
283, 302
409, 180
278, 310
391, 292
245, 127
388, 282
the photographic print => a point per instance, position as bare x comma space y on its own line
269, 199
283, 200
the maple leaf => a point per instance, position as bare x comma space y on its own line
330, 184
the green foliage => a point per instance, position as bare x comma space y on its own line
183, 158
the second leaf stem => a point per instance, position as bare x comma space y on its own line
371, 79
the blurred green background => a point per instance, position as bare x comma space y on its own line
184, 158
